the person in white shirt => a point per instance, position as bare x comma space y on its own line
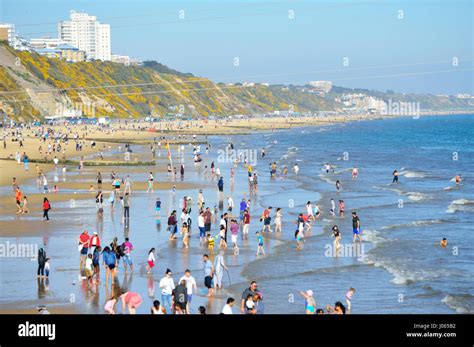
167, 286
201, 226
230, 204
190, 285
228, 307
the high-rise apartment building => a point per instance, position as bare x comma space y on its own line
87, 34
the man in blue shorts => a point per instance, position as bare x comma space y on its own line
356, 226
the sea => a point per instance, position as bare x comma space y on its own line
399, 267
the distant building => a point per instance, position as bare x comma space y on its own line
71, 54
87, 34
120, 59
49, 52
21, 44
7, 33
322, 86
63, 52
46, 43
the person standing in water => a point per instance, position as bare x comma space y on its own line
278, 216
260, 244
395, 176
356, 226
349, 295
458, 179
219, 267
126, 207
333, 207
310, 303
342, 207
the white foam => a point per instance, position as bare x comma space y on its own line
412, 174
461, 205
416, 196
417, 223
453, 303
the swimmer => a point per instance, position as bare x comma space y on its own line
443, 243
458, 179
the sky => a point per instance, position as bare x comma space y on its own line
422, 46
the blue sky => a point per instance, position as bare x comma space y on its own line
411, 54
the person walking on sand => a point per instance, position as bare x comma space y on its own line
310, 303
46, 209
18, 199
356, 226
24, 205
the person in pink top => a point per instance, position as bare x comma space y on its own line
127, 257
132, 300
234, 230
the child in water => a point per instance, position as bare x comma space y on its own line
210, 243
349, 295
260, 244
110, 305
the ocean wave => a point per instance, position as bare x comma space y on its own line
463, 303
461, 205
372, 236
327, 180
449, 188
418, 223
412, 174
413, 196
416, 196
401, 273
